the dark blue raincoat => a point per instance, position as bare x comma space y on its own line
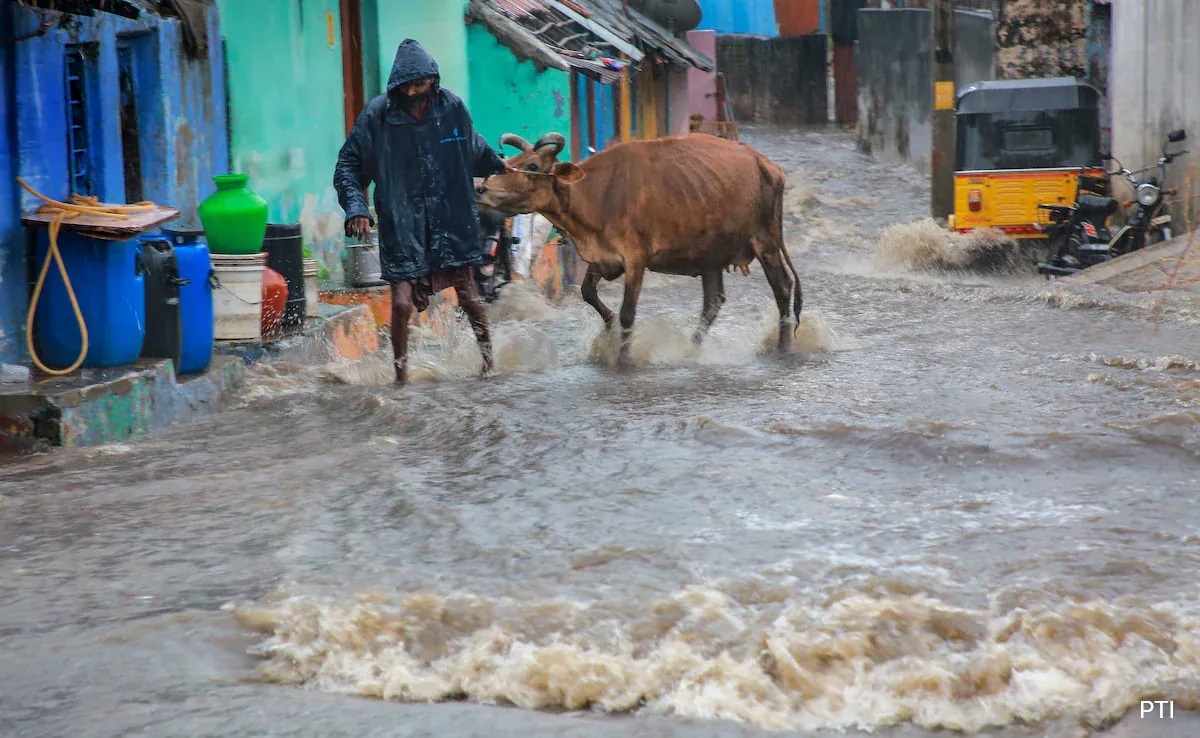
424, 193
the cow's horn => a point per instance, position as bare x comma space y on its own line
557, 140
512, 139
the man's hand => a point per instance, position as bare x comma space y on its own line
359, 227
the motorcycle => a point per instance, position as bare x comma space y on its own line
496, 269
1079, 236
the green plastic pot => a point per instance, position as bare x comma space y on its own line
234, 218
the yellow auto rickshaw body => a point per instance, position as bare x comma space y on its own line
1022, 143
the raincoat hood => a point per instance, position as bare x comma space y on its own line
412, 62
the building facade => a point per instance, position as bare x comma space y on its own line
125, 104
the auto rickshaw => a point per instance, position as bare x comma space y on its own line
1021, 143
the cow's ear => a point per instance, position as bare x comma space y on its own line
567, 172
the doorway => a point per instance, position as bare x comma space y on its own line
352, 61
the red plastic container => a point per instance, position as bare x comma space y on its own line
274, 302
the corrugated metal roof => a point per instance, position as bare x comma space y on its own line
596, 70
587, 35
544, 32
520, 9
581, 16
644, 32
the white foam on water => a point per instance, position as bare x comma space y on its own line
766, 656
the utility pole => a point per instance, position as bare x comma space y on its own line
944, 133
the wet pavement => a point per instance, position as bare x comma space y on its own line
967, 500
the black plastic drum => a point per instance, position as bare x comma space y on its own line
284, 245
164, 322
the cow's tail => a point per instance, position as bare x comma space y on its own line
774, 175
798, 291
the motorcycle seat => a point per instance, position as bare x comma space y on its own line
1095, 205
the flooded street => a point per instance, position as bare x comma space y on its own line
968, 500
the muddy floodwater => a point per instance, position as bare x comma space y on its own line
969, 499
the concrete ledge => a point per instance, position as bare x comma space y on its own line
1145, 270
99, 406
339, 333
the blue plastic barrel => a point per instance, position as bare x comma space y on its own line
195, 296
196, 306
108, 280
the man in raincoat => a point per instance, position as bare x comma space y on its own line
417, 144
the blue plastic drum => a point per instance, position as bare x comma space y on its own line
108, 280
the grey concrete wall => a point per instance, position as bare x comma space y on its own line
895, 77
1155, 87
783, 80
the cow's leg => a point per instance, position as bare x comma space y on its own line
781, 284
714, 298
633, 289
591, 280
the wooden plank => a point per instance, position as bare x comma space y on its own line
100, 226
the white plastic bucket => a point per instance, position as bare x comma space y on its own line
311, 297
237, 299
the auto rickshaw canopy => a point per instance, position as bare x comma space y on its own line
1020, 95
1028, 124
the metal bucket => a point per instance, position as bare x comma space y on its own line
361, 263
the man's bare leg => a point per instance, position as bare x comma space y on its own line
472, 304
402, 310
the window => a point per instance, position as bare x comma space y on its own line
1028, 139
80, 159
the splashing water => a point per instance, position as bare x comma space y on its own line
522, 301
857, 659
799, 196
925, 246
661, 341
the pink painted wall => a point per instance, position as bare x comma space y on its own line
702, 86
680, 86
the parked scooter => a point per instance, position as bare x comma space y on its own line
496, 270
1078, 234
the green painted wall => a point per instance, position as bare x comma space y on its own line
439, 26
511, 96
286, 103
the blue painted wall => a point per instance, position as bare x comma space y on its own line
13, 292
739, 16
181, 112
604, 114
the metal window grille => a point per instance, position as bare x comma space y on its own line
78, 131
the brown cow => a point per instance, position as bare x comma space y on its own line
697, 205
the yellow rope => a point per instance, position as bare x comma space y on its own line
61, 210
